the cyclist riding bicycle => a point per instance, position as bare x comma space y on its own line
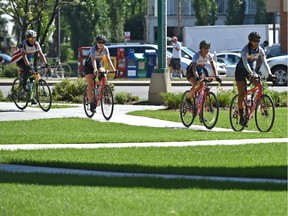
93, 64
23, 55
245, 67
195, 70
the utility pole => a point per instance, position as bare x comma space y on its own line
160, 79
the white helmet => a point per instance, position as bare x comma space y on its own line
31, 33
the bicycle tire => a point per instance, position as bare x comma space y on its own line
19, 96
63, 70
234, 115
86, 104
186, 112
210, 110
43, 95
265, 113
107, 102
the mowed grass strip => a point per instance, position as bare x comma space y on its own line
84, 130
255, 160
51, 194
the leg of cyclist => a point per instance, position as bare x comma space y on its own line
240, 77
26, 73
89, 76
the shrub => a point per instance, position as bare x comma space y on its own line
122, 97
11, 70
224, 97
171, 100
69, 90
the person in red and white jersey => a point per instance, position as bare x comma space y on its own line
22, 56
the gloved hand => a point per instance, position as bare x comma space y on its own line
218, 79
198, 78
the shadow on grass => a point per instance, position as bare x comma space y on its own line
279, 172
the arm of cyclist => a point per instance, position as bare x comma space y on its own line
218, 79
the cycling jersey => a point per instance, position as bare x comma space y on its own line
200, 61
27, 48
98, 55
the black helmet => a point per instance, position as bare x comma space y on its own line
205, 43
101, 38
31, 33
254, 35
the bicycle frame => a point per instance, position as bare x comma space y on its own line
258, 90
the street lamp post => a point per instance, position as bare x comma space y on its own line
160, 79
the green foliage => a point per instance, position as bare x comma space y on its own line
171, 100
235, 12
205, 12
224, 97
280, 98
69, 90
262, 17
66, 52
125, 97
11, 70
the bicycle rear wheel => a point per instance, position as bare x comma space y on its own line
43, 95
107, 102
210, 110
265, 113
63, 70
19, 96
86, 105
234, 115
186, 111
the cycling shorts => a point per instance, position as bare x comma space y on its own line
241, 73
88, 68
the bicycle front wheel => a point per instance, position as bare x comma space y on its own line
86, 105
19, 96
234, 115
186, 111
265, 113
107, 102
43, 95
210, 110
63, 70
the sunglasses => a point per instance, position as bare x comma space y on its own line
101, 42
256, 41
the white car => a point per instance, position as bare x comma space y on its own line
278, 66
231, 56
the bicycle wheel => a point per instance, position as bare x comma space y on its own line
63, 70
86, 105
186, 112
19, 96
234, 115
43, 95
210, 110
107, 102
265, 113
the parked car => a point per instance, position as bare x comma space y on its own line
6, 58
186, 52
274, 50
233, 57
278, 66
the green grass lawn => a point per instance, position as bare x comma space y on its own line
59, 194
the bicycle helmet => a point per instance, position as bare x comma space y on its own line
205, 43
254, 35
31, 33
101, 38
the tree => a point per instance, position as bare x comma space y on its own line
205, 12
262, 17
31, 14
235, 12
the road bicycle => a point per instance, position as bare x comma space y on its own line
254, 100
205, 104
36, 88
57, 70
102, 95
